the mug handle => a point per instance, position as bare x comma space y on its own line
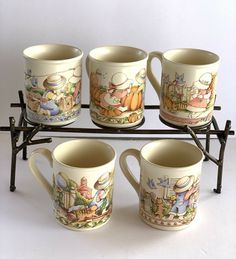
126, 170
37, 173
156, 85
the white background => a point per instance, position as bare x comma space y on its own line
150, 25
27, 226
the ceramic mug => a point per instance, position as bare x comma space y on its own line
52, 83
187, 90
82, 187
117, 77
168, 189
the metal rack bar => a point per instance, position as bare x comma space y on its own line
30, 131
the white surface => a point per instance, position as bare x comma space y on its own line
150, 25
28, 229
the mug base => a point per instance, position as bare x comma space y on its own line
166, 223
169, 124
83, 229
51, 124
133, 125
165, 228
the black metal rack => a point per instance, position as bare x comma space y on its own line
29, 131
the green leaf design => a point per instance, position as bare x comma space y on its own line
81, 200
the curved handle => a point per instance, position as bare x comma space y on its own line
125, 168
37, 173
156, 85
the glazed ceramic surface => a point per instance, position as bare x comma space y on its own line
169, 182
187, 90
82, 185
53, 83
117, 77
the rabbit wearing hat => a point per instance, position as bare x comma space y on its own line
119, 87
184, 188
101, 197
48, 105
201, 95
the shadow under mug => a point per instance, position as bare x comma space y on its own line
187, 89
82, 186
168, 189
53, 84
117, 76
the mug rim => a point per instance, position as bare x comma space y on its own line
114, 155
27, 55
92, 56
173, 141
217, 58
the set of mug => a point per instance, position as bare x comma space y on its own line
117, 76
83, 170
83, 181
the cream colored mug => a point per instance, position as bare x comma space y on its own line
168, 188
187, 89
53, 83
82, 185
117, 76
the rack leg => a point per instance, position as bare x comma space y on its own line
14, 151
27, 140
208, 137
13, 171
23, 122
219, 179
223, 140
24, 152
